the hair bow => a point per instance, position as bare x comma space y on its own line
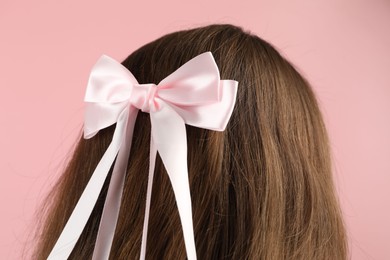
193, 95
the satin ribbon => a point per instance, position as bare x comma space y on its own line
193, 95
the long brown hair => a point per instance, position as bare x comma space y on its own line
262, 189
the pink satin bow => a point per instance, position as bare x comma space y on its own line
193, 95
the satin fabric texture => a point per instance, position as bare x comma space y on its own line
194, 94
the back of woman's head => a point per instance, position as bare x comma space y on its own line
261, 189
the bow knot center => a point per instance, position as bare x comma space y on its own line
143, 96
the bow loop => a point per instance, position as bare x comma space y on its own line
109, 82
194, 83
213, 115
108, 91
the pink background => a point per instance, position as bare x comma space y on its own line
47, 50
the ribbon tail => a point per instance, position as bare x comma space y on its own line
81, 213
152, 161
169, 134
112, 204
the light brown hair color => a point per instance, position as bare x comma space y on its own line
262, 189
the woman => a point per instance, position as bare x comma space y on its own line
261, 189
